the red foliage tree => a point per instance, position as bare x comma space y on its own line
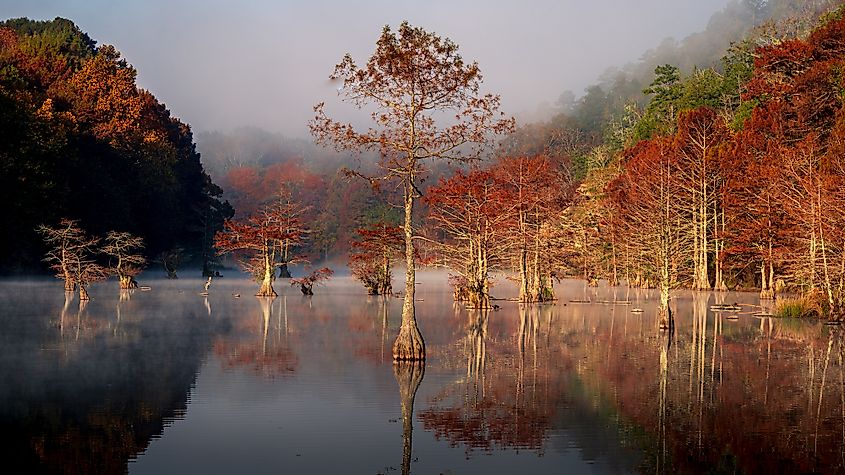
427, 106
647, 203
537, 190
472, 210
264, 238
757, 223
306, 284
374, 254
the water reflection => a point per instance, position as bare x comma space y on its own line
409, 375
264, 385
252, 345
85, 390
493, 406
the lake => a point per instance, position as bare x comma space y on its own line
169, 381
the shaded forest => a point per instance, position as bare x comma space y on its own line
80, 140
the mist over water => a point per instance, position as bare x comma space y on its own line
168, 380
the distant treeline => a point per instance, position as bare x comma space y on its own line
80, 140
250, 163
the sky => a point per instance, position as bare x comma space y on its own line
223, 64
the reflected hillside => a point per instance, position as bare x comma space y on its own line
726, 393
85, 388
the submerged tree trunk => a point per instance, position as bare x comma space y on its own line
478, 283
409, 344
409, 375
69, 284
385, 285
284, 272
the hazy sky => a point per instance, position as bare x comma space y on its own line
220, 64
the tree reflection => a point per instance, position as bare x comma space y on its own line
728, 394
252, 345
477, 348
66, 408
504, 401
664, 343
409, 375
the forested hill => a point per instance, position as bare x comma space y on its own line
79, 139
578, 124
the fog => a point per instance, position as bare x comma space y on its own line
221, 64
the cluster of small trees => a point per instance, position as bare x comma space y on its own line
267, 241
503, 217
73, 255
374, 254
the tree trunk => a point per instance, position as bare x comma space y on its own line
409, 375
284, 272
83, 292
666, 321
266, 289
70, 286
127, 282
719, 246
409, 344
386, 286
478, 284
524, 295
766, 287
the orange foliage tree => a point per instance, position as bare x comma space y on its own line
373, 255
471, 210
264, 238
413, 82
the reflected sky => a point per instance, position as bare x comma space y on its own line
168, 381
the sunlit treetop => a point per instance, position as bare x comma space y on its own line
425, 98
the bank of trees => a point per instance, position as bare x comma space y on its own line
505, 216
743, 186
729, 178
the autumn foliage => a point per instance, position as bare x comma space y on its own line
374, 254
80, 139
760, 201
264, 240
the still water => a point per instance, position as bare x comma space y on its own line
169, 381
